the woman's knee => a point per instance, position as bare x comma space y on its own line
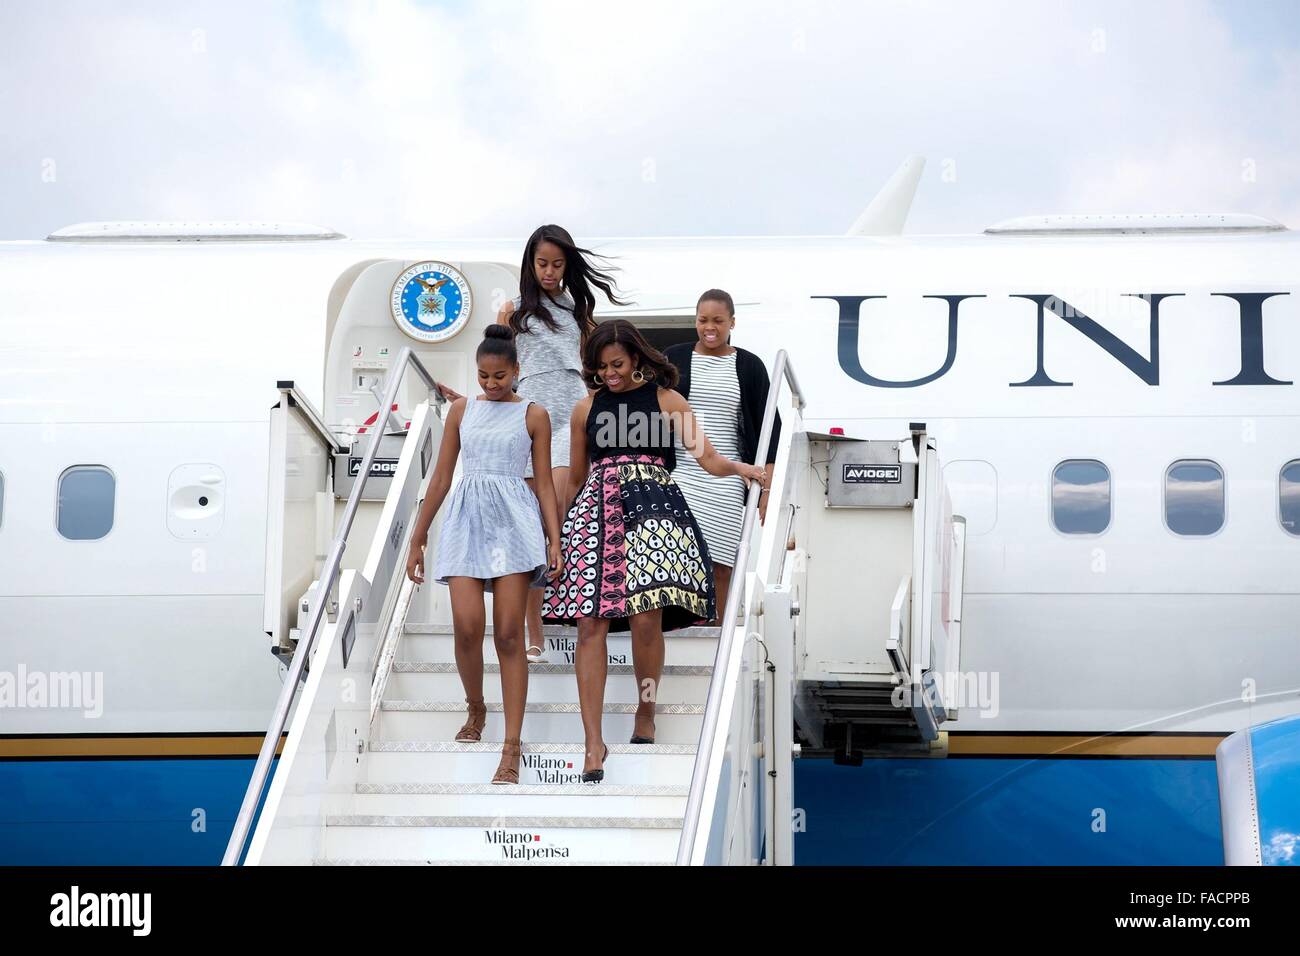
647, 627
591, 631
508, 642
467, 632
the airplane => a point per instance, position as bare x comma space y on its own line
1112, 401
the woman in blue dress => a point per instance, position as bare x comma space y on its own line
492, 536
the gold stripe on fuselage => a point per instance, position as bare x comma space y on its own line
1047, 746
199, 745
1152, 746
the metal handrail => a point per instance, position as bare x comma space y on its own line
301, 402
262, 769
781, 371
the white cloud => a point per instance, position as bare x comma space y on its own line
617, 118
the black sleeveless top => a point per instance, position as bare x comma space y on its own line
629, 423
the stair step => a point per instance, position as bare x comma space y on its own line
352, 861
501, 838
613, 670
525, 790
546, 686
564, 800
402, 723
532, 707
448, 763
513, 821
689, 647
529, 747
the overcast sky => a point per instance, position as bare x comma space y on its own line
484, 118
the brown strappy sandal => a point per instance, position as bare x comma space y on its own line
510, 750
472, 731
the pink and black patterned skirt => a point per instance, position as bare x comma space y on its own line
631, 544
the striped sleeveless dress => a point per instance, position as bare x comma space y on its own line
717, 503
492, 525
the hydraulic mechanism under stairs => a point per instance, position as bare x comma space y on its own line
835, 642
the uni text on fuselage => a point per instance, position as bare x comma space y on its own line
1250, 319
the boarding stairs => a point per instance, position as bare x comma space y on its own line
368, 771
425, 798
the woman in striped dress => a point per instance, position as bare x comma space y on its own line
727, 389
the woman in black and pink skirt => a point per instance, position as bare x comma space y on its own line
634, 556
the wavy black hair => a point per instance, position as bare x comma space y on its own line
648, 358
579, 276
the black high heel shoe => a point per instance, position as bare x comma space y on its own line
638, 739
596, 776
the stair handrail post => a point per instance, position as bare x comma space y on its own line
782, 373
329, 575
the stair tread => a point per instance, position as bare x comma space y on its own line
359, 861
496, 707
528, 789
541, 747
469, 821
615, 670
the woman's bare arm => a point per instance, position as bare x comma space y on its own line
436, 492
578, 465
539, 427
672, 403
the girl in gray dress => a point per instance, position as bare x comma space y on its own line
492, 534
551, 318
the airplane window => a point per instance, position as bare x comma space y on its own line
1289, 490
1194, 497
1081, 497
85, 506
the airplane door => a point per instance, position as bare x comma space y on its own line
438, 308
299, 488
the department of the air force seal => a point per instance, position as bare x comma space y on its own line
431, 301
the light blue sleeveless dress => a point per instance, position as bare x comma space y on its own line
493, 524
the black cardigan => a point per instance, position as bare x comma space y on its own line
754, 384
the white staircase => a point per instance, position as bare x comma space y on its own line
368, 771
423, 798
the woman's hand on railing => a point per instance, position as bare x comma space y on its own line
449, 393
415, 561
750, 473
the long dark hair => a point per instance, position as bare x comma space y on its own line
653, 363
579, 276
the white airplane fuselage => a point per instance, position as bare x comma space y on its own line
1018, 353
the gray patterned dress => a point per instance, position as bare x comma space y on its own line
550, 372
492, 525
